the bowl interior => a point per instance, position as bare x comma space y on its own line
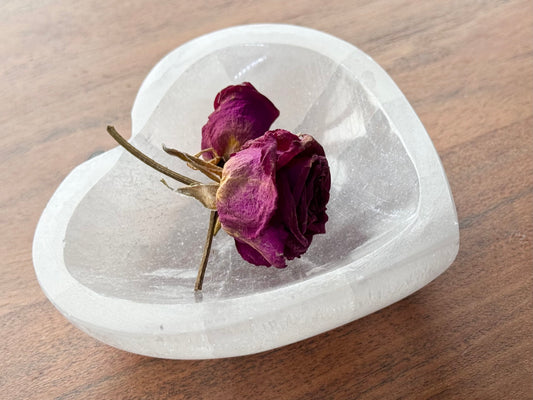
133, 238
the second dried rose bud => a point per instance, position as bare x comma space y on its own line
241, 114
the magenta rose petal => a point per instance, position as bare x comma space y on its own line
288, 211
266, 249
248, 177
248, 253
296, 175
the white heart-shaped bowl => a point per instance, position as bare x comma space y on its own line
117, 253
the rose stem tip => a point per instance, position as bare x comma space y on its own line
207, 249
147, 160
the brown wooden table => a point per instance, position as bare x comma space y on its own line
68, 68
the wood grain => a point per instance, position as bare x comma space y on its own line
70, 68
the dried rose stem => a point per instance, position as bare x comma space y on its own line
207, 248
147, 160
180, 178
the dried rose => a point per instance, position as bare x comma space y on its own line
241, 113
272, 196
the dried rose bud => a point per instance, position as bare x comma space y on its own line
272, 197
241, 113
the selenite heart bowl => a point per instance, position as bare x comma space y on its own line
117, 252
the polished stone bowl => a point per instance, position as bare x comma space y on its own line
117, 252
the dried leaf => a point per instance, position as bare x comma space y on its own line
204, 193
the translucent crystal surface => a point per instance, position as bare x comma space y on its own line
117, 252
